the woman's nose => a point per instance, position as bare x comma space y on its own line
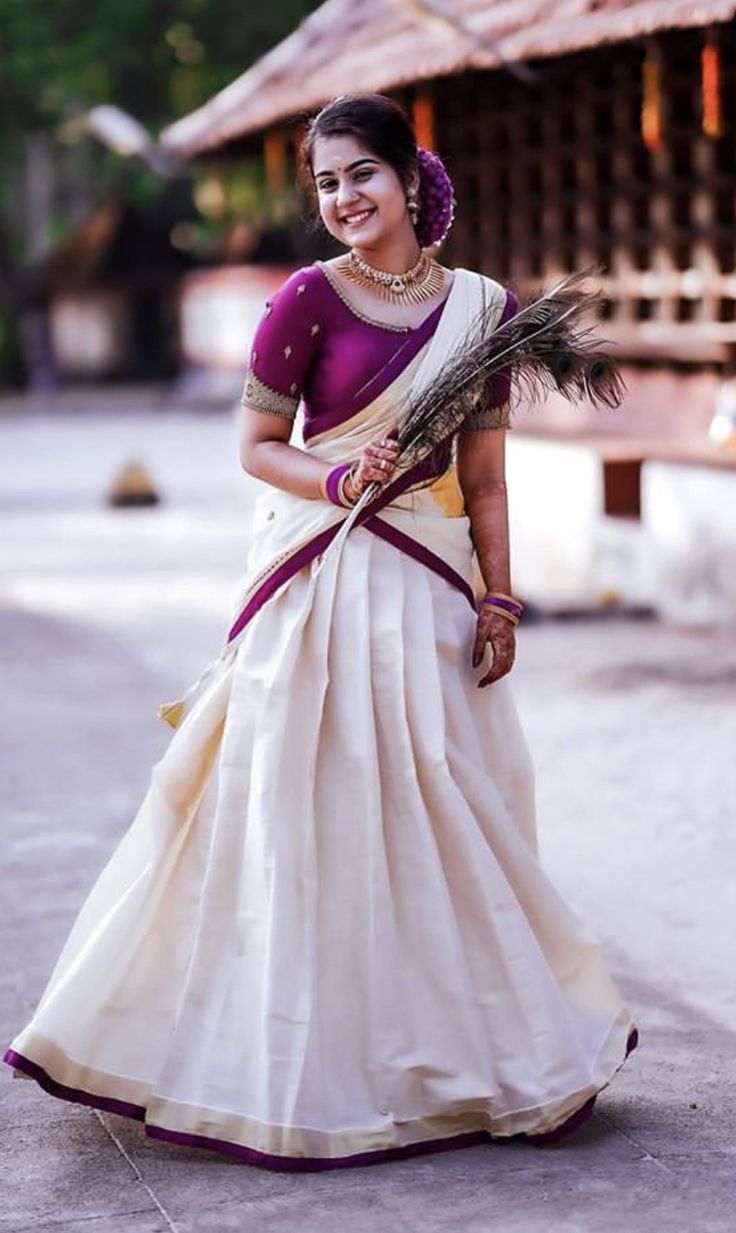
345, 194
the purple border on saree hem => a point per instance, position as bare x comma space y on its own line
315, 1164
265, 1160
108, 1103
581, 1115
310, 1164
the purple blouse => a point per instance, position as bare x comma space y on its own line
311, 345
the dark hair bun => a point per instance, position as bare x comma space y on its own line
436, 199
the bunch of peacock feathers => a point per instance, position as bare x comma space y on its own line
549, 345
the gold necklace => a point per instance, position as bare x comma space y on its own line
419, 283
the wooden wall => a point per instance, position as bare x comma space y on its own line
554, 177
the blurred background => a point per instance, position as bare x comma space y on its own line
148, 206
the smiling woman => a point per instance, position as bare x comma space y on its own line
327, 938
359, 194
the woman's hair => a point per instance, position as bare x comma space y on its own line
374, 120
383, 127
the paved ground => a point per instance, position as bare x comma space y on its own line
104, 614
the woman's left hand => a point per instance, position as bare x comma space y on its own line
501, 633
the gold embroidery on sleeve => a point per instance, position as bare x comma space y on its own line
261, 397
491, 417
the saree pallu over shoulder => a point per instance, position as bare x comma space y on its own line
420, 512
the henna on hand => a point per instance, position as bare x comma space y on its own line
377, 463
501, 634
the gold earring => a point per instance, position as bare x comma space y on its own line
412, 205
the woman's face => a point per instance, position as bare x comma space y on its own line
361, 198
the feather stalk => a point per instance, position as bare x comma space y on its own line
547, 346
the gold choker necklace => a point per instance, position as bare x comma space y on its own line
419, 283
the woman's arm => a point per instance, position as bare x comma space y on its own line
266, 454
482, 476
481, 470
284, 346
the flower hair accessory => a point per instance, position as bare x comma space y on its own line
436, 199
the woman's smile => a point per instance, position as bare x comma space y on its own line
357, 217
361, 197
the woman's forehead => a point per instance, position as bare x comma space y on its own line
338, 151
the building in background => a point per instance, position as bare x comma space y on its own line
108, 298
597, 134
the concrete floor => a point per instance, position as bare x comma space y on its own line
631, 724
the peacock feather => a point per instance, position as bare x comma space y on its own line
549, 345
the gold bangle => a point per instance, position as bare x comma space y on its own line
351, 475
503, 612
502, 595
341, 490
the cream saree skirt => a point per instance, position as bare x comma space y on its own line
327, 935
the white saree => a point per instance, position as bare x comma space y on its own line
326, 935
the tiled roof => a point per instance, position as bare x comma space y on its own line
367, 45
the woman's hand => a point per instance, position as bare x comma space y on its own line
501, 633
376, 465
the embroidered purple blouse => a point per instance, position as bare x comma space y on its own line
311, 345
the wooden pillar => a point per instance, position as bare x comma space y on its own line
661, 261
519, 264
492, 203
703, 214
623, 266
554, 260
585, 221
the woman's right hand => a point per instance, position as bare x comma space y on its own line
376, 465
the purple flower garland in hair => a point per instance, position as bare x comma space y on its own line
436, 199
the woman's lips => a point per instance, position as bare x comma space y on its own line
357, 219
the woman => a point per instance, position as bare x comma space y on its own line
326, 939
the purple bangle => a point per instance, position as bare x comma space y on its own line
332, 483
507, 604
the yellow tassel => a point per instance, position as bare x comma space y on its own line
171, 712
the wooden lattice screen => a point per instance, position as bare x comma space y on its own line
556, 177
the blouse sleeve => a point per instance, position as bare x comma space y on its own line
283, 347
494, 406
